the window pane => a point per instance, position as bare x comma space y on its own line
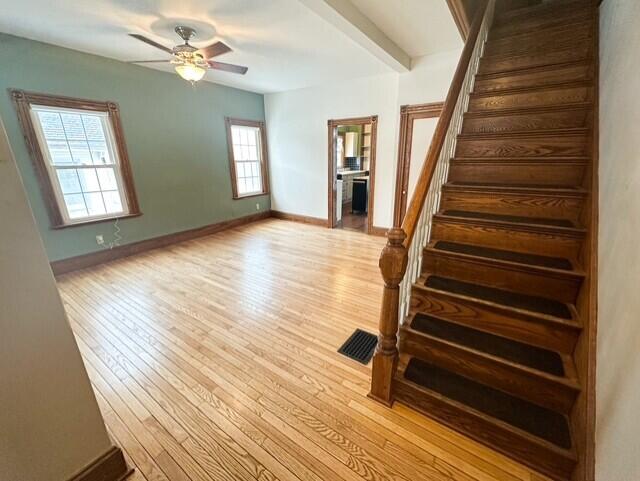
242, 186
51, 125
253, 152
69, 183
112, 202
75, 206
107, 178
89, 180
235, 135
255, 169
99, 152
59, 152
255, 185
94, 202
245, 152
237, 153
73, 128
93, 128
80, 151
243, 136
251, 136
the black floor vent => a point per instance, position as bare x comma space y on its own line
359, 346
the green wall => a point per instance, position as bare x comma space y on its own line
175, 137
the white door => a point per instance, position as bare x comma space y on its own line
422, 133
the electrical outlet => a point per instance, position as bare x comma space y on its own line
99, 240
258, 206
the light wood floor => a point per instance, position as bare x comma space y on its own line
216, 360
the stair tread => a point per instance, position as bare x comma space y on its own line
527, 110
506, 30
531, 316
516, 188
509, 15
588, 57
504, 255
566, 84
530, 418
500, 296
537, 358
560, 132
534, 69
514, 219
576, 23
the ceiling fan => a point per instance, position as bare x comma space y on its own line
190, 62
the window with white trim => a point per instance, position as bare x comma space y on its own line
247, 155
75, 145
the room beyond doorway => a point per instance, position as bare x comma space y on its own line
351, 178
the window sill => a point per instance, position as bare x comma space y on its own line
248, 196
97, 221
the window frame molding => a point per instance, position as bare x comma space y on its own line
23, 101
264, 161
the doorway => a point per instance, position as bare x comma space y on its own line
417, 124
351, 181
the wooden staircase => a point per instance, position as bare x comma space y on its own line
496, 312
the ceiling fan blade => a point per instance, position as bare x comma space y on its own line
153, 43
214, 50
228, 67
149, 61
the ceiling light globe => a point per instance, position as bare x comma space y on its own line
190, 72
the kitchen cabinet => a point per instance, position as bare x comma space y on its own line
347, 183
351, 144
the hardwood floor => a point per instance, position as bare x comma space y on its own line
216, 359
351, 221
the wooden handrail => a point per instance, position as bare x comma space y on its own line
400, 260
428, 168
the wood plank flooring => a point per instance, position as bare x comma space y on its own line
216, 359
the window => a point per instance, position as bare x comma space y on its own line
79, 153
247, 157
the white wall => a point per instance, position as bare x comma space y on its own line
297, 132
50, 425
618, 367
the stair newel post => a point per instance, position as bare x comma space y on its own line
393, 265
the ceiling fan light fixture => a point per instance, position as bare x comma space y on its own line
190, 72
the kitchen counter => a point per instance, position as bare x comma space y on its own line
349, 173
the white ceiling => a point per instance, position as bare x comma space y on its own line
284, 43
419, 27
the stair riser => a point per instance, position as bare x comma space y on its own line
518, 173
496, 320
518, 17
563, 36
560, 287
536, 78
543, 23
494, 236
568, 145
561, 119
530, 205
502, 64
509, 378
537, 98
481, 429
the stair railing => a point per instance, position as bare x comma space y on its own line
401, 259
